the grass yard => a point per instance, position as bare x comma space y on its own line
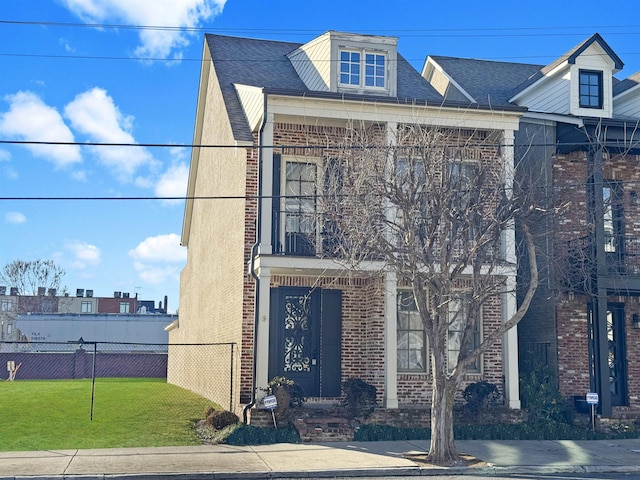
128, 412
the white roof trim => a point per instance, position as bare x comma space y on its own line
431, 61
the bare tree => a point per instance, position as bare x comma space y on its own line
435, 206
30, 275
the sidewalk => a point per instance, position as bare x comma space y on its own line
341, 459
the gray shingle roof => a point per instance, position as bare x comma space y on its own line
488, 82
624, 85
263, 63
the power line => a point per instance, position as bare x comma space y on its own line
561, 31
610, 144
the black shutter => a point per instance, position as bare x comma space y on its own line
331, 343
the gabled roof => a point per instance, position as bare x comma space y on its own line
488, 82
570, 58
264, 64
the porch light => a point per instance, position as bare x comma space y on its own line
635, 321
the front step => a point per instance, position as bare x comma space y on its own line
313, 424
324, 429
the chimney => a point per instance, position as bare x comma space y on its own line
166, 308
79, 292
41, 291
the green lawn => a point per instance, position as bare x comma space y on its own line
55, 414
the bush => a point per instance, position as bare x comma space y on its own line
372, 433
360, 397
220, 419
480, 396
541, 397
296, 392
250, 435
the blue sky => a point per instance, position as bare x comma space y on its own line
68, 74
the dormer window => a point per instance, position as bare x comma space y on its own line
362, 69
590, 89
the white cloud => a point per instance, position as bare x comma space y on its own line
29, 118
155, 43
173, 183
161, 248
15, 217
84, 255
94, 113
158, 259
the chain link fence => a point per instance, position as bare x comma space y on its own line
212, 364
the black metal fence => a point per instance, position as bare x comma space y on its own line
80, 359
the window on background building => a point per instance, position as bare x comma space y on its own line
86, 307
411, 337
458, 311
360, 68
5, 305
124, 307
590, 89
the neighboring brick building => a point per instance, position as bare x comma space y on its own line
48, 317
264, 109
580, 139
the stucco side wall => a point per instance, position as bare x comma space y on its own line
211, 284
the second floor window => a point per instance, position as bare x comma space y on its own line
300, 190
124, 307
362, 69
85, 307
590, 89
612, 217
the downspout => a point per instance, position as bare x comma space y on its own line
254, 249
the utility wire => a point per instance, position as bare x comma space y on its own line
611, 144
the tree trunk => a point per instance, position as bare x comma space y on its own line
443, 449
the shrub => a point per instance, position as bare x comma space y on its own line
480, 396
296, 392
360, 397
219, 419
250, 435
541, 397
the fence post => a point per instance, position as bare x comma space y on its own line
231, 382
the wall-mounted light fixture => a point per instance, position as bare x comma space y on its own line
635, 320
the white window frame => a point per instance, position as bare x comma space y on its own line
286, 159
425, 345
6, 305
126, 307
88, 304
362, 82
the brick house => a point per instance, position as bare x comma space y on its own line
267, 115
579, 138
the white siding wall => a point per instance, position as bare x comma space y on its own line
628, 106
312, 61
252, 102
593, 58
553, 97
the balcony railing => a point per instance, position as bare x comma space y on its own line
621, 255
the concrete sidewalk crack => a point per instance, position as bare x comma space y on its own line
64, 472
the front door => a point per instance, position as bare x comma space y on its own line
304, 338
616, 355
